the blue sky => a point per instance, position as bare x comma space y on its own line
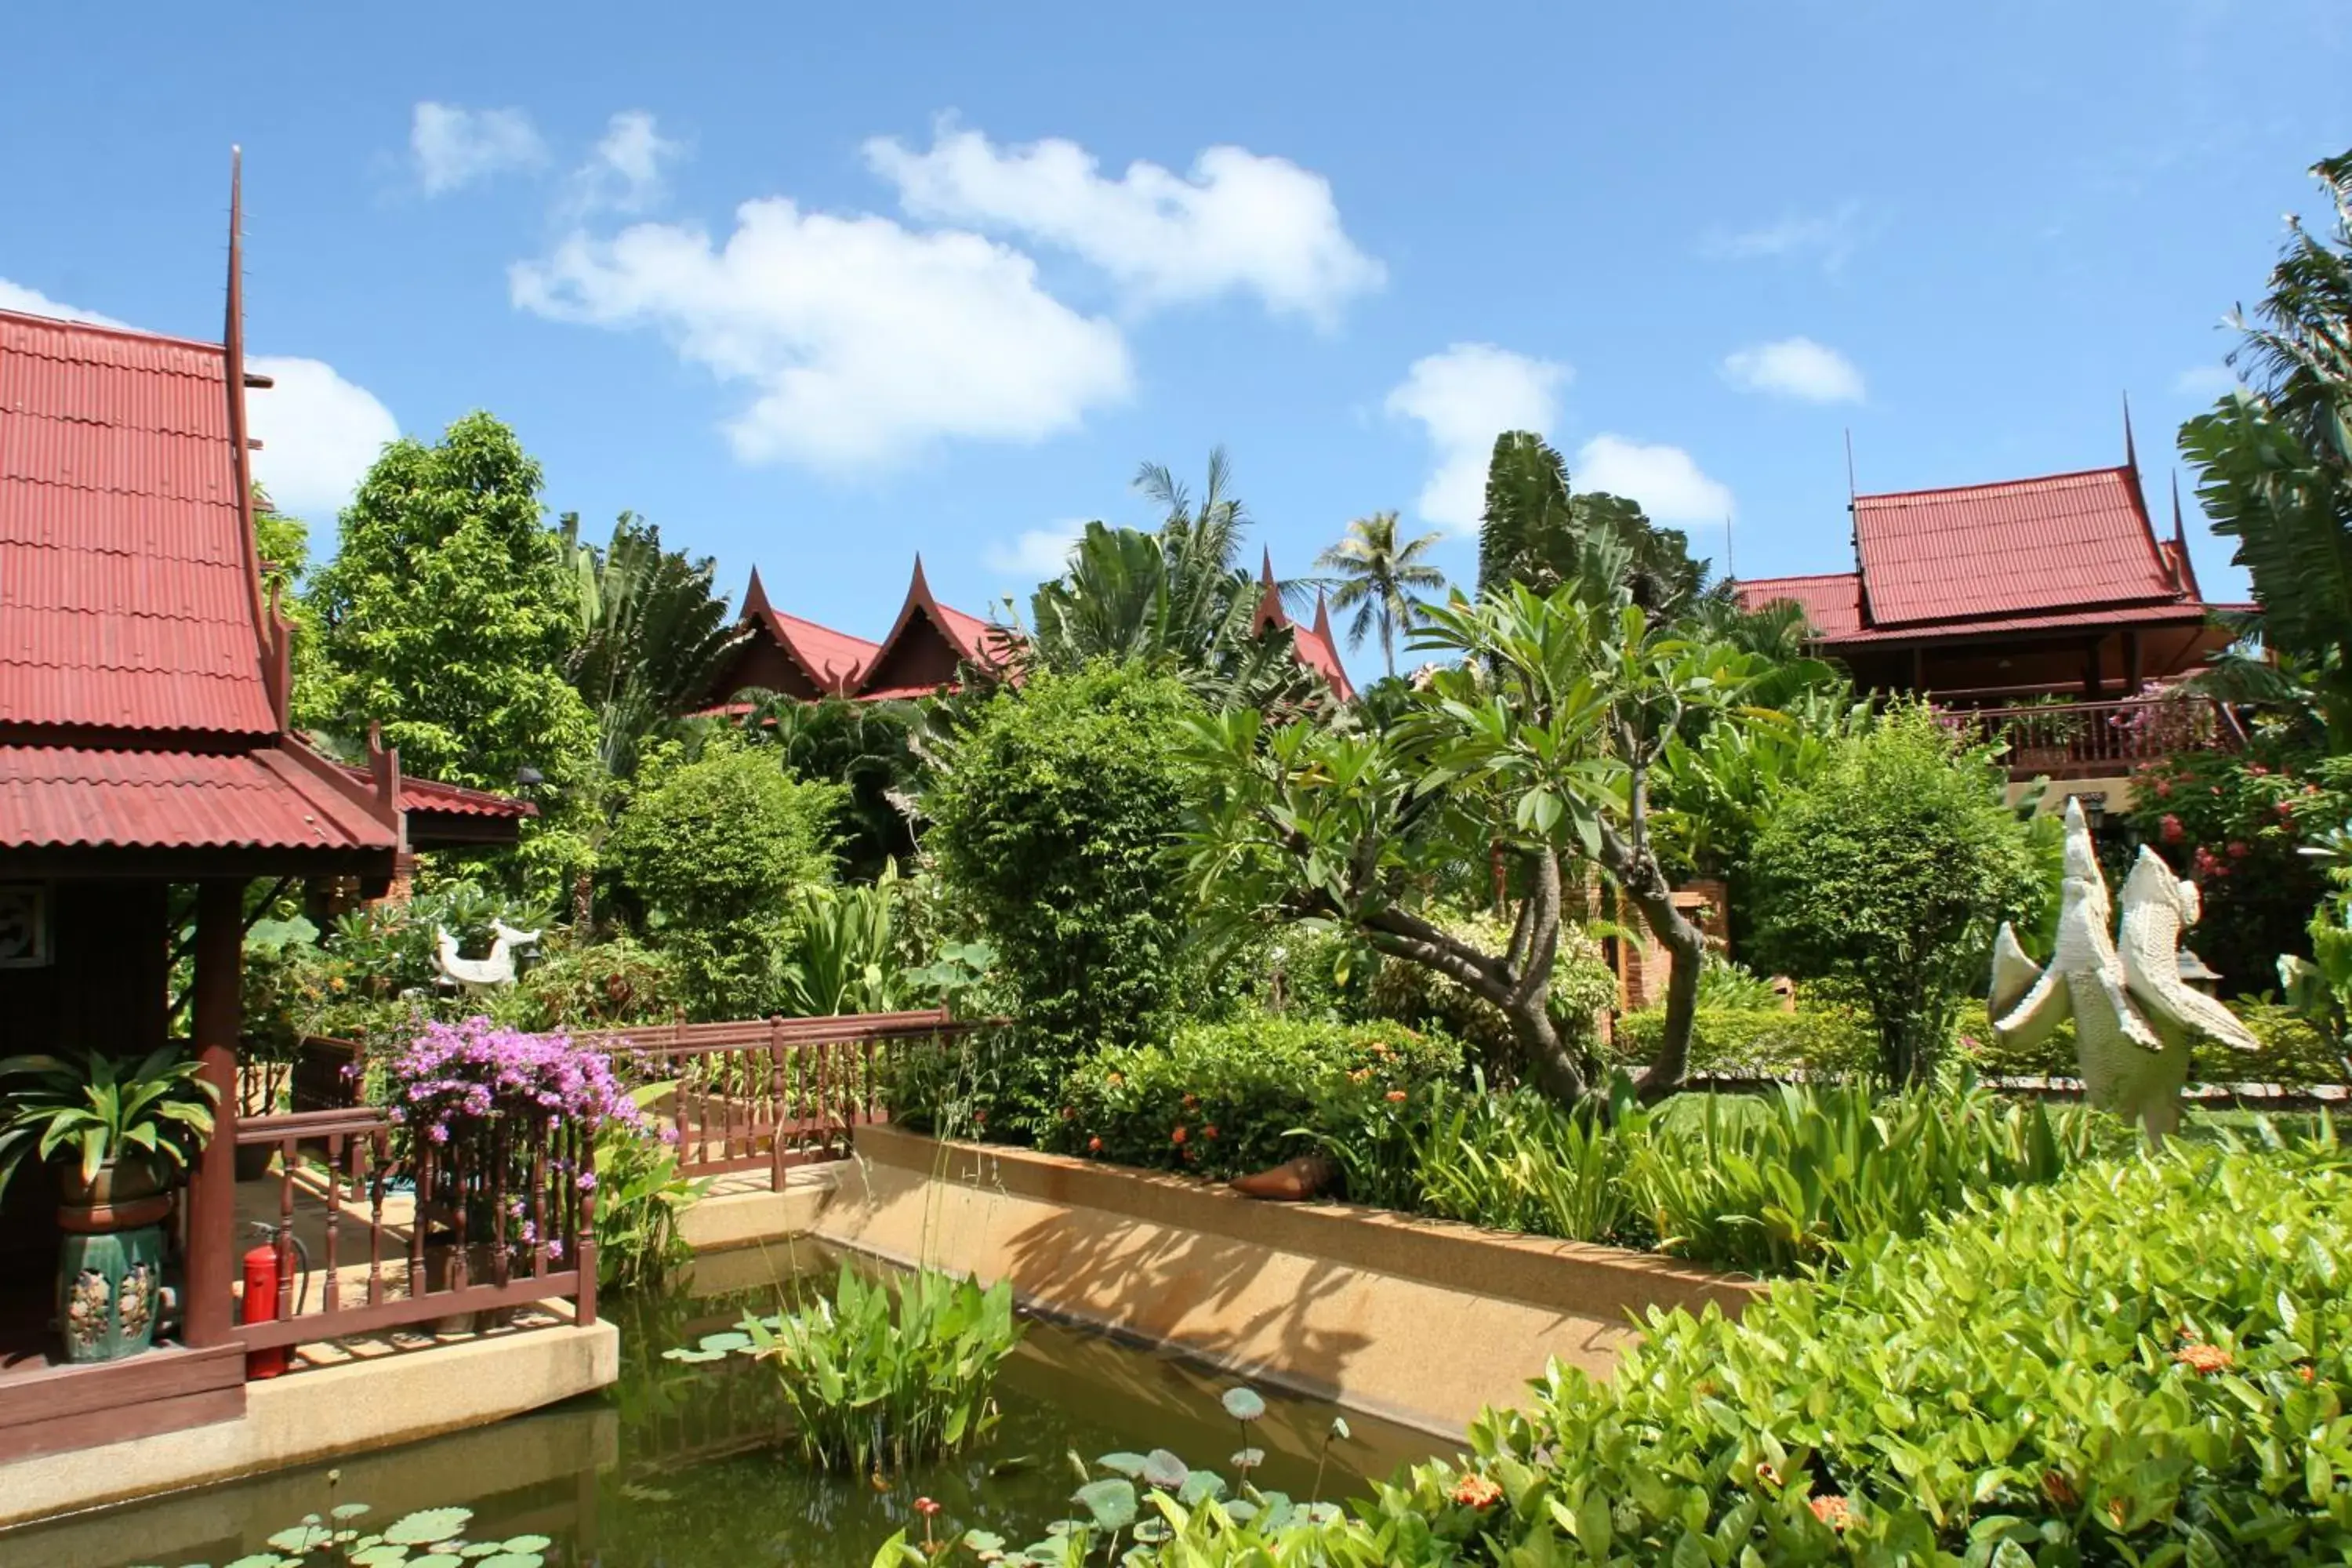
816, 288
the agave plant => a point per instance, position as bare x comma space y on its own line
104, 1111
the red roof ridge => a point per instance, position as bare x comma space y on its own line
109, 329
1996, 484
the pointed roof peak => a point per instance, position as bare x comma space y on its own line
1322, 617
919, 585
755, 596
1266, 573
2131, 452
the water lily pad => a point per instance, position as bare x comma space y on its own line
1123, 1464
1112, 1503
1319, 1512
731, 1340
1200, 1486
381, 1554
527, 1543
513, 1560
1164, 1469
264, 1560
1152, 1531
981, 1540
479, 1549
350, 1509
426, 1526
1241, 1510
300, 1539
1248, 1458
679, 1353
1244, 1403
437, 1560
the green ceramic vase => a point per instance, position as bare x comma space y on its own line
109, 1290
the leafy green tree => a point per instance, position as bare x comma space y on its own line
2275, 460
654, 630
283, 543
1891, 868
714, 850
448, 615
868, 747
1381, 580
1052, 823
1540, 744
1536, 534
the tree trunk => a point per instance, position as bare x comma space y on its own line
1550, 1062
1643, 883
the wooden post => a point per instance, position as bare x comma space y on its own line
217, 1012
2132, 681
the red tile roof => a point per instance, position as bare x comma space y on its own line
832, 659
1832, 601
2177, 612
1319, 652
265, 798
983, 642
450, 800
125, 599
2066, 541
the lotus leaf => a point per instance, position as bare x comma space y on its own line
1111, 1503
1241, 1510
1123, 1464
983, 1540
527, 1543
437, 1560
1319, 1512
383, 1554
300, 1539
427, 1526
1164, 1469
264, 1560
1244, 1403
350, 1510
1152, 1531
1248, 1458
513, 1560
1200, 1486
481, 1549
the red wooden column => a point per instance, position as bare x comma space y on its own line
217, 1013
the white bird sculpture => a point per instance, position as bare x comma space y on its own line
485, 973
2133, 1015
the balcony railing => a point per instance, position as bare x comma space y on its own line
2081, 739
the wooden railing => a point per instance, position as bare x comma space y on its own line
366, 1242
2077, 740
772, 1093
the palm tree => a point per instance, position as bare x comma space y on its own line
1377, 580
654, 631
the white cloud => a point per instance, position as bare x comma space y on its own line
454, 147
1829, 236
1465, 396
2205, 382
1238, 222
862, 340
1666, 481
319, 434
33, 302
624, 173
1038, 554
1795, 367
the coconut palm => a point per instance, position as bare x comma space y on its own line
1377, 580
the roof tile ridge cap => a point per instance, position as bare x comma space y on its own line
2117, 470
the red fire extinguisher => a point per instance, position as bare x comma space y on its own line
261, 1307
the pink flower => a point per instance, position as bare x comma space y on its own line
2169, 827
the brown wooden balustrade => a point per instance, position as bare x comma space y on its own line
367, 1243
772, 1093
2084, 740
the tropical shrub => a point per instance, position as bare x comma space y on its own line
1223, 1100
155, 1110
1520, 1162
641, 1195
1052, 824
2144, 1363
599, 984
1891, 868
2235, 824
1832, 1040
844, 954
880, 1377
2294, 1051
1789, 1180
713, 851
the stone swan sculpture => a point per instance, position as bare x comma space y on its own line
485, 973
2133, 1015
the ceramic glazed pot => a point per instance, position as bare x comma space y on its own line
111, 1269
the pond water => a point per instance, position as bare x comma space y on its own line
682, 1466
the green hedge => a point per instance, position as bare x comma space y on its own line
1223, 1100
1765, 1042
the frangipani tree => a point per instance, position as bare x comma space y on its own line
1541, 741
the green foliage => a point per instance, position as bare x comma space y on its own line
2236, 825
448, 615
2275, 462
1583, 991
154, 1110
868, 746
1891, 868
652, 632
1763, 1041
1518, 1162
2144, 1363
641, 1195
1052, 826
598, 984
883, 1376
1226, 1099
843, 956
714, 851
